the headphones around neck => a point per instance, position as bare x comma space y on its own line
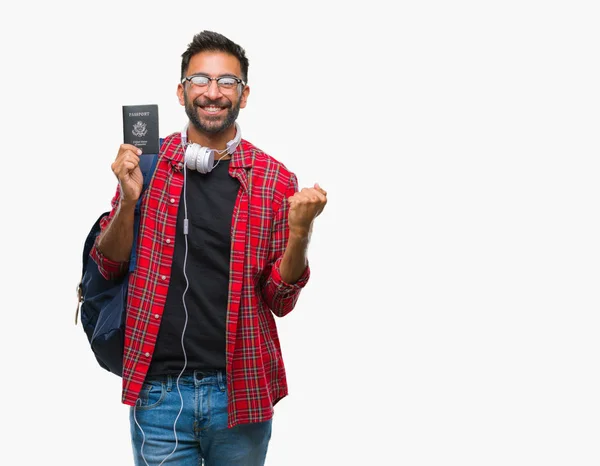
202, 158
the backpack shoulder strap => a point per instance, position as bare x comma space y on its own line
148, 164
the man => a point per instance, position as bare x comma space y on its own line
222, 249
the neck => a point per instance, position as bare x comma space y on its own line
216, 141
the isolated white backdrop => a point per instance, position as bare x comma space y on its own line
452, 315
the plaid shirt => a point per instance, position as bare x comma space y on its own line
259, 231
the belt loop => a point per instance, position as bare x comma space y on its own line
222, 380
169, 382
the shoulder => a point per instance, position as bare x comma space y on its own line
265, 164
170, 142
270, 178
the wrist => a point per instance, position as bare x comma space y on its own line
126, 205
300, 234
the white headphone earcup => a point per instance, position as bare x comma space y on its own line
199, 158
208, 160
190, 157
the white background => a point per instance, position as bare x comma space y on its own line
452, 314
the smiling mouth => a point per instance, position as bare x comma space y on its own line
212, 109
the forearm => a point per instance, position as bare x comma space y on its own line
294, 259
117, 239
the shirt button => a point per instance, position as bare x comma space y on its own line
164, 277
156, 316
147, 355
168, 241
172, 201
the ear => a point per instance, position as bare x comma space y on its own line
180, 94
244, 97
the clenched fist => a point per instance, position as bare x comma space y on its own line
127, 170
305, 206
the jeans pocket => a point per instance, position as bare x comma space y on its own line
151, 395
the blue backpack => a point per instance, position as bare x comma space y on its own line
103, 303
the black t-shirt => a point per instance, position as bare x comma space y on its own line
210, 202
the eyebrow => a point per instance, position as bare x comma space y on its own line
226, 75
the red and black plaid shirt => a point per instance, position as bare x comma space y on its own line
259, 232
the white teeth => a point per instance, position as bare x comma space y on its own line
212, 109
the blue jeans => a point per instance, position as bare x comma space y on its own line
202, 432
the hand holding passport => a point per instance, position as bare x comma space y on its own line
140, 127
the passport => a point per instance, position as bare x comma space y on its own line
140, 127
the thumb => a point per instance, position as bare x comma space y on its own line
321, 190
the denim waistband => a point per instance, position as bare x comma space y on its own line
197, 377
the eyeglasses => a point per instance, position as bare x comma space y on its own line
225, 83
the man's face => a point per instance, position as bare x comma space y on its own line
212, 109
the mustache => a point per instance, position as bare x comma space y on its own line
203, 102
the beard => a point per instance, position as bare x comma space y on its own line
208, 124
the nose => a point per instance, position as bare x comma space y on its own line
213, 91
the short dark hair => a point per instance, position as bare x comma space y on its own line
214, 42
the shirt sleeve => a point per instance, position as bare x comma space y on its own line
111, 270
281, 297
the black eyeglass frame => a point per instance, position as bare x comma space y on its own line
189, 78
